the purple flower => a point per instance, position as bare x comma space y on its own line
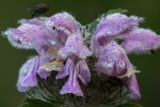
141, 40
74, 46
113, 61
113, 26
27, 74
59, 42
80, 70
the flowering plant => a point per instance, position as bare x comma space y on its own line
80, 65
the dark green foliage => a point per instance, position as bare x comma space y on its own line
36, 103
130, 104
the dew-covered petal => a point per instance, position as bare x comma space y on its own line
113, 26
84, 72
72, 84
74, 46
66, 69
141, 40
18, 38
31, 36
63, 22
27, 75
134, 92
113, 61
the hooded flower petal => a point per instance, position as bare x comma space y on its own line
74, 46
64, 23
17, 38
30, 36
113, 25
113, 61
84, 72
27, 75
133, 88
66, 70
72, 84
141, 40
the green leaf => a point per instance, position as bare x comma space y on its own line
37, 103
130, 104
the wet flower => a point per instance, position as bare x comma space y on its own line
112, 59
111, 27
60, 42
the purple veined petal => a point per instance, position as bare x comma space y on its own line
69, 66
35, 21
133, 88
41, 72
84, 72
27, 75
74, 47
141, 40
113, 26
113, 61
72, 85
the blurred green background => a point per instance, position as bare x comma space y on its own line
85, 11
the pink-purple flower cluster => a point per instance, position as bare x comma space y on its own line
59, 42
